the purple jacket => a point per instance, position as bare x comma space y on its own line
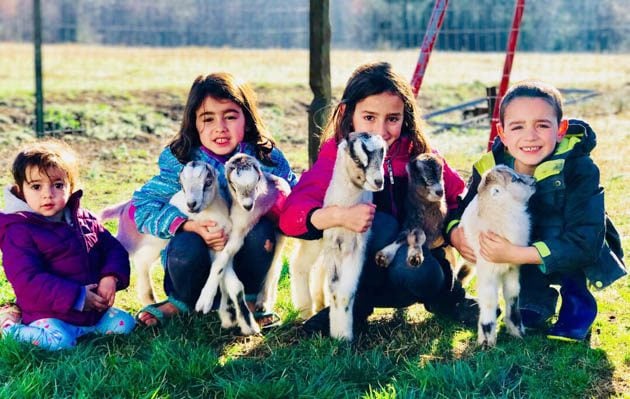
48, 263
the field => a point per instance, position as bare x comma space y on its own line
128, 102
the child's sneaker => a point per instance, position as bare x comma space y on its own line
10, 314
577, 313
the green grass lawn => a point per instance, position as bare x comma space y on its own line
410, 356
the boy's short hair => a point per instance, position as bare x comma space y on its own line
533, 89
46, 155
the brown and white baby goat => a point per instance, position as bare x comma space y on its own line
426, 208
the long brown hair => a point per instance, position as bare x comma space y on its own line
221, 86
372, 79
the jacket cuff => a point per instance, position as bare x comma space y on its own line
313, 233
79, 304
543, 252
177, 222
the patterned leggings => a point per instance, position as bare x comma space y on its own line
54, 334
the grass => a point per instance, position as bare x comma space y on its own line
130, 102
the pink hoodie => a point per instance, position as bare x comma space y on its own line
309, 193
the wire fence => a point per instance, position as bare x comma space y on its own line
482, 25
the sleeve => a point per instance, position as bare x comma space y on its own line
35, 288
153, 212
453, 185
115, 258
283, 168
308, 195
584, 220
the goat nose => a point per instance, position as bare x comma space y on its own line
191, 205
378, 182
439, 193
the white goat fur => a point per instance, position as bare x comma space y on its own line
340, 253
199, 199
500, 206
253, 194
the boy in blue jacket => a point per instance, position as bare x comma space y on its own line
572, 241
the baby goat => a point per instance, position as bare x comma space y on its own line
426, 208
253, 194
199, 199
357, 173
500, 206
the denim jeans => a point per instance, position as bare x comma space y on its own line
188, 262
398, 285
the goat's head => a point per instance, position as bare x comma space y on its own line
366, 153
199, 184
425, 177
243, 173
504, 185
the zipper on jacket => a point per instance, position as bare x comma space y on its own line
390, 173
390, 170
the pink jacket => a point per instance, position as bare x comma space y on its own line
308, 194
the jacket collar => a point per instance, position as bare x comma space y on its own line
14, 204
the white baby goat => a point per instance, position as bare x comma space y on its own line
253, 194
500, 206
199, 199
357, 173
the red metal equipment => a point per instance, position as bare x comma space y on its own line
435, 23
507, 68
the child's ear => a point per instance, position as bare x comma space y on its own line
500, 131
562, 129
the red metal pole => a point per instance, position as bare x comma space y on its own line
435, 23
507, 68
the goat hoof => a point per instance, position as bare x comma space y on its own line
415, 260
382, 260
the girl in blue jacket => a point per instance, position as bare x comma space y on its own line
220, 119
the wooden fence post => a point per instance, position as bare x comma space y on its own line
319, 73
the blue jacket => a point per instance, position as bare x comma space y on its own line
153, 213
570, 228
48, 263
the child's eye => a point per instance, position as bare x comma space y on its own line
369, 118
544, 126
394, 118
60, 186
207, 120
35, 187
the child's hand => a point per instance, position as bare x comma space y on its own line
282, 186
458, 240
94, 301
496, 249
214, 239
358, 218
107, 289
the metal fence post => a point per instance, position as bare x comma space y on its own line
39, 90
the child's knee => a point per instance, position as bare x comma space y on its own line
116, 321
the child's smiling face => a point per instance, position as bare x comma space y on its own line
221, 125
530, 132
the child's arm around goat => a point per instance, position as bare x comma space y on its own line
220, 119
